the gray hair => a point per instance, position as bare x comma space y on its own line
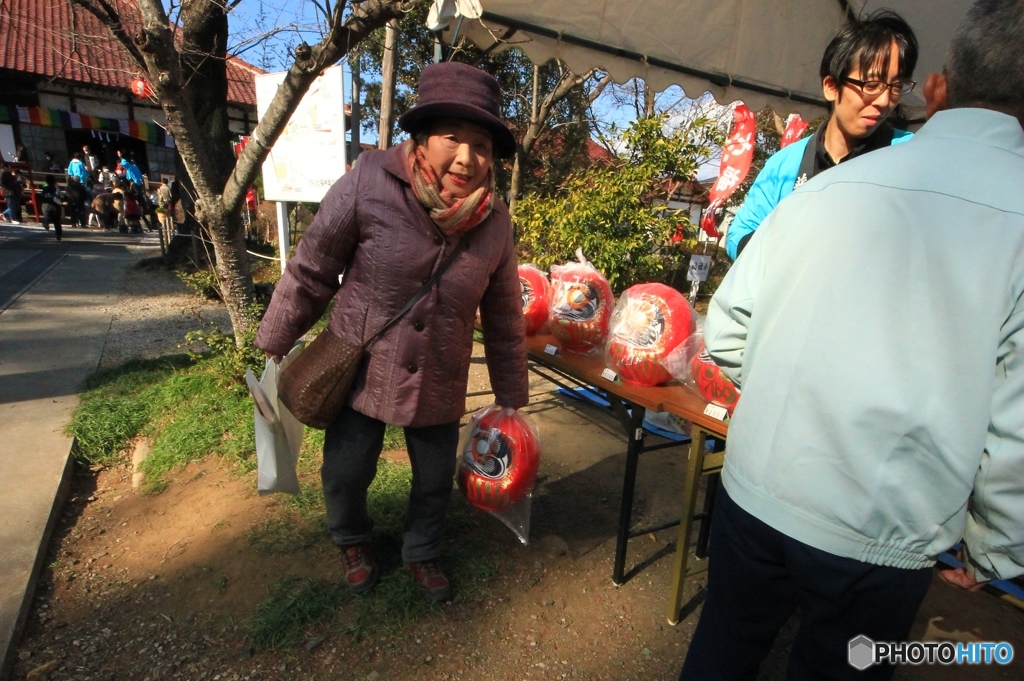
985, 62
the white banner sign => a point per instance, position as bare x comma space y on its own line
309, 156
699, 267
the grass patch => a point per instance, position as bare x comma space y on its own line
186, 406
296, 605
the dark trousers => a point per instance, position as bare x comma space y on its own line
757, 578
352, 445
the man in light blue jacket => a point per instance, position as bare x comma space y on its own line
865, 71
882, 369
76, 169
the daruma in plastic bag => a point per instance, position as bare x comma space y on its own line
499, 460
581, 306
649, 322
711, 383
536, 297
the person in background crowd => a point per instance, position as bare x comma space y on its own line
49, 200
117, 192
74, 200
131, 171
77, 169
50, 162
105, 178
10, 187
882, 370
865, 71
388, 225
103, 206
92, 164
163, 211
175, 196
21, 154
131, 211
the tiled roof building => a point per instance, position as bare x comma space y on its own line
65, 82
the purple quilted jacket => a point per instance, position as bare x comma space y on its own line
371, 227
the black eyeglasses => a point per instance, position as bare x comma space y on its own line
873, 88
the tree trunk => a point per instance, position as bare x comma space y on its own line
648, 101
539, 111
517, 180
236, 287
387, 84
185, 61
523, 148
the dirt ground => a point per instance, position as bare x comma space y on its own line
162, 586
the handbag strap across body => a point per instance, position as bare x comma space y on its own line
434, 278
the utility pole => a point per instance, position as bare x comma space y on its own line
355, 120
387, 84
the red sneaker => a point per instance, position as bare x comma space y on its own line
432, 581
361, 572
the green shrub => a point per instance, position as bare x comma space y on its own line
618, 214
203, 282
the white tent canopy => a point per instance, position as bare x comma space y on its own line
761, 52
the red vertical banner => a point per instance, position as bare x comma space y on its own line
736, 158
795, 127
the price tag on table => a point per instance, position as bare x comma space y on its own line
699, 267
609, 375
551, 349
715, 412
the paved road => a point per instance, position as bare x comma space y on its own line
54, 298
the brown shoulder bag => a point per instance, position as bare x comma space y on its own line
316, 385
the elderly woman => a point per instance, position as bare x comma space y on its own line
387, 225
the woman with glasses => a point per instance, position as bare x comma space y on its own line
865, 71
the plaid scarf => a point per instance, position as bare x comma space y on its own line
454, 216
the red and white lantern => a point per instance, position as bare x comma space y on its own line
141, 88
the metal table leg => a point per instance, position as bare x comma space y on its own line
633, 451
704, 533
694, 468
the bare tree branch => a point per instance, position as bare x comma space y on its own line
110, 18
344, 35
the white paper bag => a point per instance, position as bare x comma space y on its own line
278, 433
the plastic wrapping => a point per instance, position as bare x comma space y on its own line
691, 364
536, 297
650, 321
500, 455
581, 306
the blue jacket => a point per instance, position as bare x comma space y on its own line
76, 169
774, 183
131, 171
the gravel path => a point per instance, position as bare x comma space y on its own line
153, 313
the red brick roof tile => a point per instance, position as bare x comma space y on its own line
51, 38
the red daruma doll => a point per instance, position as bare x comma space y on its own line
649, 322
581, 306
536, 297
711, 383
499, 460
